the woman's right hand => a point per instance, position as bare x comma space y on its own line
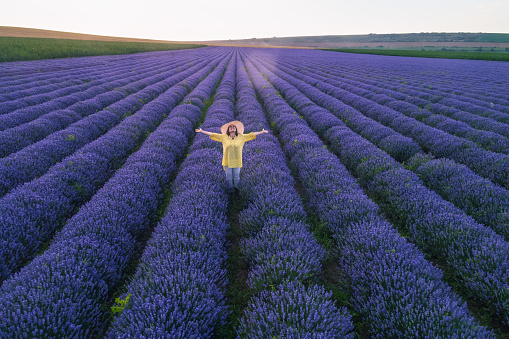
198, 130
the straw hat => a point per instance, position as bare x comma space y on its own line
238, 124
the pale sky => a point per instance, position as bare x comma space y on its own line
227, 19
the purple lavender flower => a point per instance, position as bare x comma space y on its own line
293, 311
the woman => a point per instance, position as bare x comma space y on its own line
233, 141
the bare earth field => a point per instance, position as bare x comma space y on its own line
19, 32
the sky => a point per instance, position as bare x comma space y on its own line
202, 20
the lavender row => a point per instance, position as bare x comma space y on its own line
485, 124
178, 288
484, 101
284, 256
409, 106
61, 293
12, 90
418, 94
477, 110
391, 284
25, 73
492, 166
474, 253
424, 97
398, 146
86, 76
90, 259
17, 138
75, 82
9, 101
35, 160
488, 140
25, 77
415, 206
487, 203
57, 82
485, 132
455, 77
117, 81
33, 212
21, 116
14, 139
89, 79
478, 197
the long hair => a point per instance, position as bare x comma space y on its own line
236, 130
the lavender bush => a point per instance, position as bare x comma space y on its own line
178, 288
90, 148
338, 200
280, 248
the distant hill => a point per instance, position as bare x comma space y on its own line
21, 32
378, 40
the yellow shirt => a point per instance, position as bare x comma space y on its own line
232, 148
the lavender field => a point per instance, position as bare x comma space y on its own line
376, 206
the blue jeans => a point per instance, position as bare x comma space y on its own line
232, 176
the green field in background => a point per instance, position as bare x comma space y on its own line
493, 37
22, 49
456, 54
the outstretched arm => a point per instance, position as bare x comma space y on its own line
261, 132
199, 130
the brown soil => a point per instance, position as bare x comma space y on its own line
20, 32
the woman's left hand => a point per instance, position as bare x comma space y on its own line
261, 132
